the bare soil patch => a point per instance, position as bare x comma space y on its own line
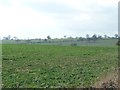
108, 80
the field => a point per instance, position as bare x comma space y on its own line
35, 66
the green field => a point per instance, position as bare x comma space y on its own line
36, 66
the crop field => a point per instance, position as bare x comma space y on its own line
53, 66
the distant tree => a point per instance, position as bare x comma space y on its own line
18, 40
70, 38
9, 37
45, 39
112, 37
80, 39
88, 37
65, 36
105, 36
116, 35
15, 38
94, 37
48, 37
40, 39
64, 39
109, 37
99, 37
28, 40
5, 38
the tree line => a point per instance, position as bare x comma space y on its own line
93, 37
73, 40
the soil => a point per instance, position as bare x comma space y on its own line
109, 80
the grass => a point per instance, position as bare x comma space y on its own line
36, 66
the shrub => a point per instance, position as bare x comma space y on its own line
74, 44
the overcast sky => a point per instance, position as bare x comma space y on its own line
39, 18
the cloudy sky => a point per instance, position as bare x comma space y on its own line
39, 18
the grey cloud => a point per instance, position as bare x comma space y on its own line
106, 17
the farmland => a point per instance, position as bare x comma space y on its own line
35, 65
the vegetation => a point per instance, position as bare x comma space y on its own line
65, 42
118, 42
35, 65
58, 62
